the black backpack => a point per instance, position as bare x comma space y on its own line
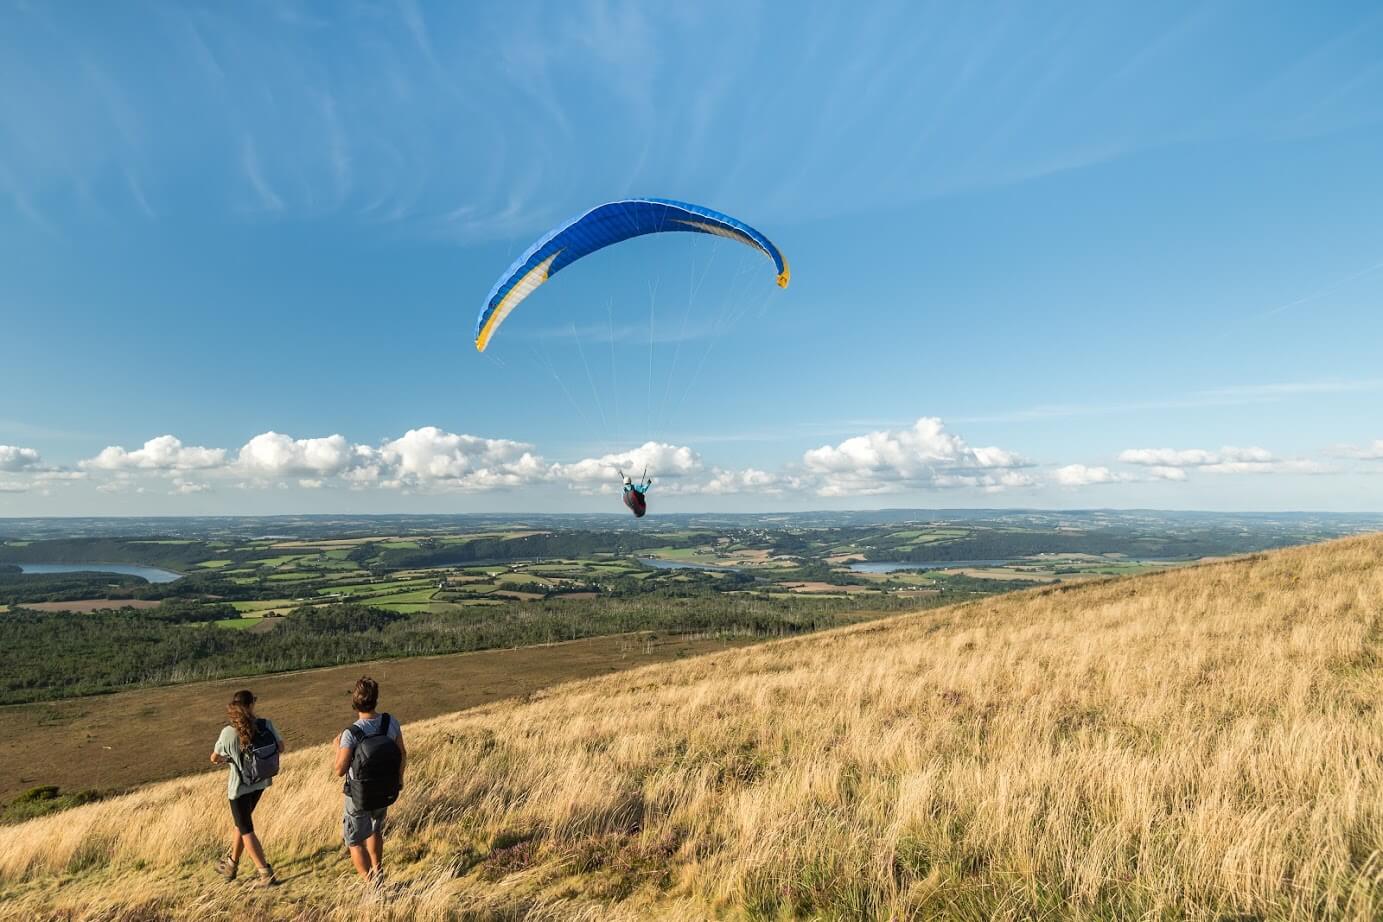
376, 774
261, 760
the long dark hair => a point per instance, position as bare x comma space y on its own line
242, 717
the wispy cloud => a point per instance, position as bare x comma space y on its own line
1329, 289
254, 175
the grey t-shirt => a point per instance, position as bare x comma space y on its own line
228, 745
369, 728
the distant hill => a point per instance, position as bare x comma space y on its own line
1199, 743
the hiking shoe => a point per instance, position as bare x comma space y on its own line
266, 877
227, 867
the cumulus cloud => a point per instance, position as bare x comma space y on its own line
1167, 457
1083, 475
430, 457
14, 458
185, 487
748, 480
271, 454
13, 486
666, 461
925, 456
165, 453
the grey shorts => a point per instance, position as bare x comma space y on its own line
357, 827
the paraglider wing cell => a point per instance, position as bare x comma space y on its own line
600, 227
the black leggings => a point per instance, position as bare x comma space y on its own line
242, 811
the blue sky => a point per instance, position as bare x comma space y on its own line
1060, 255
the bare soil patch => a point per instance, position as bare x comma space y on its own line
91, 604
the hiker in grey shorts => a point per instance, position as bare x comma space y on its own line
370, 755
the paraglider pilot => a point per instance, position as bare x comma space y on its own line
634, 496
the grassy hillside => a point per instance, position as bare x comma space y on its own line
1202, 743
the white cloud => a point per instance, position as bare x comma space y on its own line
748, 480
165, 453
1284, 466
1227, 460
185, 487
925, 455
432, 458
661, 459
13, 458
1370, 452
13, 486
1082, 475
120, 485
1167, 457
271, 454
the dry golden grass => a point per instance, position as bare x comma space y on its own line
1204, 743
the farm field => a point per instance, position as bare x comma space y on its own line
1200, 742
80, 605
83, 743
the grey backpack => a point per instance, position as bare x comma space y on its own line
262, 758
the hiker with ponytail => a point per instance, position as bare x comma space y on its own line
251, 747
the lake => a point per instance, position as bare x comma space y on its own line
152, 574
892, 566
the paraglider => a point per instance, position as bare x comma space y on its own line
603, 225
600, 227
636, 494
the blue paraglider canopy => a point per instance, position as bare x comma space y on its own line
600, 227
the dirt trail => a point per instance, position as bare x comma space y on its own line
130, 738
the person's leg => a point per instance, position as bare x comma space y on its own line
356, 829
361, 859
237, 846
374, 845
255, 849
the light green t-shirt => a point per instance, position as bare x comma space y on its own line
228, 745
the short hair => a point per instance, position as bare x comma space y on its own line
365, 695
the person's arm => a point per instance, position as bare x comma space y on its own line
403, 756
343, 757
218, 752
278, 738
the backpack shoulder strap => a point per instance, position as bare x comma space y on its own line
262, 724
356, 733
383, 725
